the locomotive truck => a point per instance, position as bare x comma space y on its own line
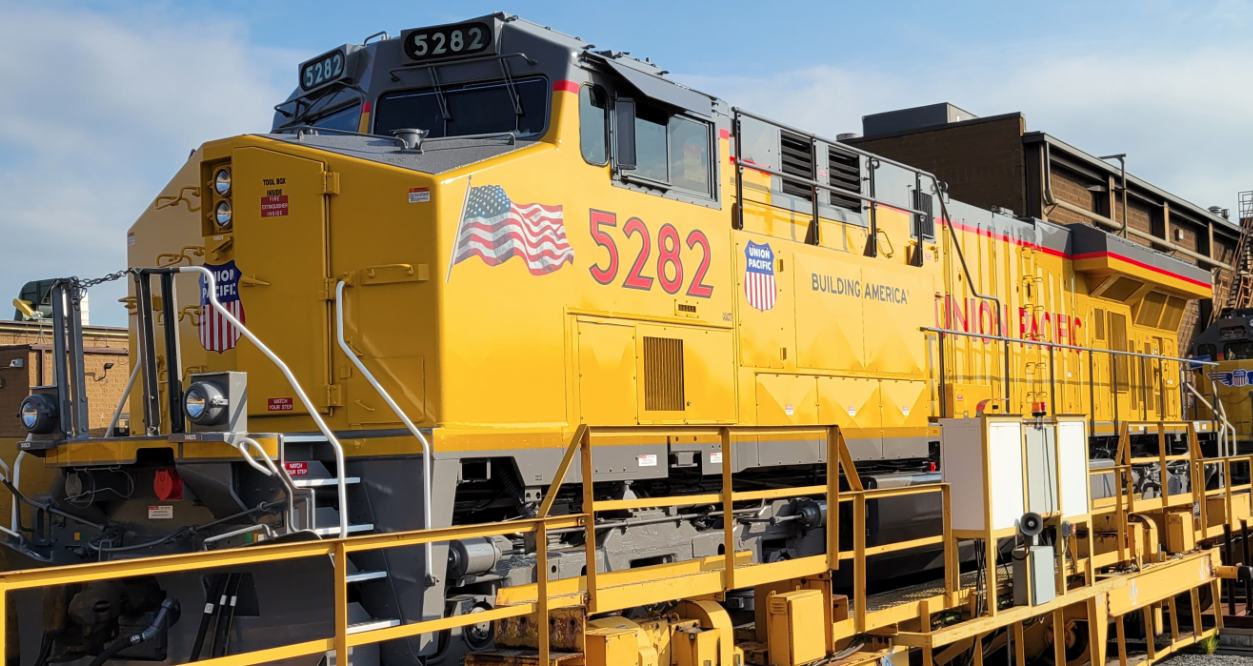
454, 247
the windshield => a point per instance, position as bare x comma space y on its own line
345, 119
479, 108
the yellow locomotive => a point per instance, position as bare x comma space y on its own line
456, 246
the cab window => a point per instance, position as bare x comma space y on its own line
672, 151
475, 108
1206, 352
1238, 351
594, 124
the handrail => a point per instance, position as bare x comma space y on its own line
426, 446
340, 466
1222, 416
1059, 345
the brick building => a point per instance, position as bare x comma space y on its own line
994, 161
26, 361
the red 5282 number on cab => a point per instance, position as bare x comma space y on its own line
668, 269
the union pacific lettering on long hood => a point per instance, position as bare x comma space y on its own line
973, 315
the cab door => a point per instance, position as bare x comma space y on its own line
280, 224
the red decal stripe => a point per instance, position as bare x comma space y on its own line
1056, 253
365, 108
724, 134
565, 86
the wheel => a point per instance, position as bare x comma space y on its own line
479, 636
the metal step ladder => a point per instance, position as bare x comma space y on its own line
319, 513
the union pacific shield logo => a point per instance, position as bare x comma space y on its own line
759, 287
217, 334
1235, 378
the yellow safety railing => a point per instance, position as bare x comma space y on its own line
733, 573
1126, 501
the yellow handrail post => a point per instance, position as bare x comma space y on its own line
589, 519
859, 560
1198, 480
951, 566
833, 498
341, 602
4, 619
728, 512
562, 471
541, 582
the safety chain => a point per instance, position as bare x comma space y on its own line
81, 286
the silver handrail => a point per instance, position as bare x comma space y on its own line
126, 393
1220, 412
426, 446
340, 466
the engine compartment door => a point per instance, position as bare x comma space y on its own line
280, 223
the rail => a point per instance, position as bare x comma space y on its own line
812, 237
943, 333
1128, 501
427, 522
599, 591
340, 466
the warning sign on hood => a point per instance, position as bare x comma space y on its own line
279, 405
274, 206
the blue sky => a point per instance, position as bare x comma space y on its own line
100, 101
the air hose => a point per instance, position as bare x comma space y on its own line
206, 618
167, 616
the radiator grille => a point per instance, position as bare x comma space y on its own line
798, 160
663, 375
1098, 324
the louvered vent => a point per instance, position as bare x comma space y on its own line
844, 172
1174, 313
798, 160
1151, 309
1118, 342
1098, 324
663, 375
924, 225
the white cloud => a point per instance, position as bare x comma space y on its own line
97, 112
1176, 113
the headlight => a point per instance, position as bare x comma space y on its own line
222, 182
204, 404
39, 414
223, 213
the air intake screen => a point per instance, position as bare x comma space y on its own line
1151, 309
663, 375
1122, 289
1174, 313
1098, 324
798, 160
844, 172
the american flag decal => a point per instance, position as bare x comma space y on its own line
216, 333
759, 286
496, 229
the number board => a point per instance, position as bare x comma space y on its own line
324, 69
450, 41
